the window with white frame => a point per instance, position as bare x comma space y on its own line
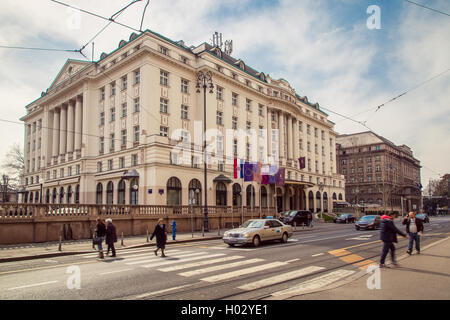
112, 114
102, 94
134, 160
113, 88
124, 110
137, 77
234, 99
184, 86
164, 78
112, 142
248, 104
99, 166
261, 110
124, 137
163, 131
102, 145
136, 134
219, 92
110, 165
137, 105
219, 117
234, 123
102, 118
124, 83
163, 105
121, 162
184, 112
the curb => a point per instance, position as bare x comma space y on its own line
70, 253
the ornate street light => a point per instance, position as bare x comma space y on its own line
204, 80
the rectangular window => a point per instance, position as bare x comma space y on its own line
99, 167
234, 99
219, 91
184, 86
112, 142
315, 132
164, 78
137, 105
300, 144
248, 126
163, 105
163, 131
102, 145
316, 149
113, 114
78, 169
300, 126
124, 110
274, 118
219, 141
102, 94
219, 117
308, 146
124, 137
110, 164
137, 77
121, 162
248, 104
113, 88
220, 166
323, 135
134, 160
136, 134
184, 112
124, 83
69, 171
234, 122
54, 174
235, 146
164, 51
308, 129
102, 118
261, 110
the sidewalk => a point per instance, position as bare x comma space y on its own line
418, 277
29, 251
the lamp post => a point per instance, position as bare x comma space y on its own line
204, 80
321, 186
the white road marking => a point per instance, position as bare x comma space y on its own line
314, 283
293, 240
149, 258
148, 294
317, 255
219, 267
123, 252
293, 260
200, 263
51, 261
166, 262
117, 271
33, 285
237, 273
280, 278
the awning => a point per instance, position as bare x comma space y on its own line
299, 183
131, 175
223, 179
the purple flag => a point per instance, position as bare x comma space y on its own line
248, 171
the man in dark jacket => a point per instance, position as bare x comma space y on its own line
100, 233
161, 237
388, 234
111, 237
414, 228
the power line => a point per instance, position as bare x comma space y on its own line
40, 49
143, 14
421, 5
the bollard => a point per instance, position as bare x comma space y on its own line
218, 230
60, 243
148, 240
295, 225
203, 231
121, 240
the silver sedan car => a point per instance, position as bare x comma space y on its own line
257, 230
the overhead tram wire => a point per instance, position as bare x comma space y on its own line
143, 14
42, 49
428, 8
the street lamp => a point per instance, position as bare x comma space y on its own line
321, 186
204, 80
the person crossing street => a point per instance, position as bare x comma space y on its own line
388, 234
414, 228
161, 237
111, 237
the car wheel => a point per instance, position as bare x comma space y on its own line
284, 238
231, 244
357, 228
256, 241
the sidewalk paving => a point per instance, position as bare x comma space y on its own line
29, 251
418, 277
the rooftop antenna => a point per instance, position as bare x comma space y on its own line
217, 40
229, 47
93, 48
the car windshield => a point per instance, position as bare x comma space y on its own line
293, 213
253, 224
420, 215
343, 215
367, 218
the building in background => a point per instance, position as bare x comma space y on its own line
103, 132
380, 175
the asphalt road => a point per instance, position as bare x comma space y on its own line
207, 270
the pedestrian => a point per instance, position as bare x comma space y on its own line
388, 234
161, 237
414, 228
100, 233
111, 237
309, 219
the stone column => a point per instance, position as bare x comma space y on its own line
281, 138
269, 133
296, 139
289, 137
70, 126
78, 123
63, 131
55, 133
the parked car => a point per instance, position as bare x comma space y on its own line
345, 218
297, 217
368, 222
256, 231
424, 217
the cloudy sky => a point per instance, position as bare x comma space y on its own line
323, 48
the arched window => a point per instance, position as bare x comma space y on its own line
340, 196
47, 196
380, 201
77, 194
334, 196
325, 202
99, 194
263, 196
134, 192
69, 195
318, 202
121, 192
61, 195
237, 195
303, 195
110, 193
54, 195
196, 187
221, 194
311, 201
251, 195
173, 192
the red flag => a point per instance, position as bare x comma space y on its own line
235, 169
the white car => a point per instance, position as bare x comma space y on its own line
257, 230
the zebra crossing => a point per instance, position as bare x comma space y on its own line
218, 266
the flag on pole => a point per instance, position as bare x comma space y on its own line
248, 171
257, 172
241, 168
280, 177
235, 169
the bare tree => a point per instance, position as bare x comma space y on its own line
13, 165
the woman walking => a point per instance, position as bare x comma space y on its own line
100, 233
161, 237
111, 237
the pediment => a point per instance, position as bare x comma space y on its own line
70, 68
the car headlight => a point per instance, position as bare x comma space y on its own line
246, 234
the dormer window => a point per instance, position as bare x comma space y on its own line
184, 60
164, 51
